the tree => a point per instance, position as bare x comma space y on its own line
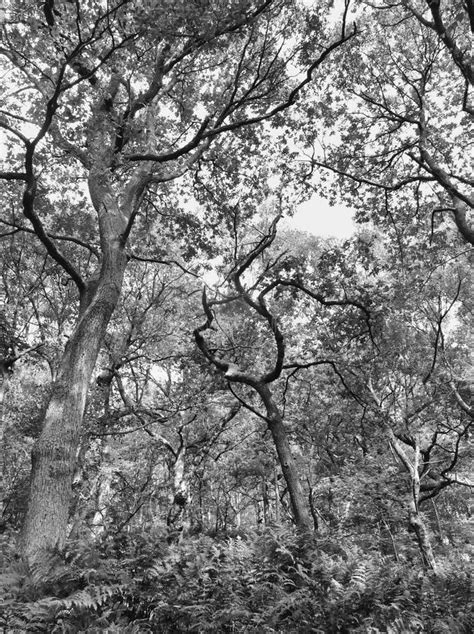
260, 382
451, 23
255, 298
400, 122
124, 99
402, 385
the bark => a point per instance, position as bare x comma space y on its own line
180, 495
265, 503
54, 455
423, 539
277, 495
261, 383
4, 384
415, 522
287, 462
412, 464
461, 218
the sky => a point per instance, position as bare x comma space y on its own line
317, 217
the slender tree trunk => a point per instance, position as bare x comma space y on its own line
4, 384
265, 501
180, 494
277, 495
238, 514
102, 498
290, 473
55, 452
418, 526
415, 522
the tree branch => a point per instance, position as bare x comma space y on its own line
54, 236
204, 133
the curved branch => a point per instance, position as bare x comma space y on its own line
140, 258
202, 134
446, 36
380, 185
53, 236
246, 405
30, 213
8, 128
460, 401
310, 364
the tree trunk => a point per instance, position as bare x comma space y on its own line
415, 522
277, 495
55, 452
179, 497
423, 540
288, 467
287, 463
265, 503
4, 384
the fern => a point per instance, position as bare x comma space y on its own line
267, 583
405, 625
91, 598
360, 578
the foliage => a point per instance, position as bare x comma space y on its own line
272, 581
151, 149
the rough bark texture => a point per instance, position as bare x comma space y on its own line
54, 454
461, 217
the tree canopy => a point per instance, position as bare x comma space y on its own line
210, 421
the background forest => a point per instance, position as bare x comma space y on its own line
210, 421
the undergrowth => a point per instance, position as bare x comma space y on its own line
274, 581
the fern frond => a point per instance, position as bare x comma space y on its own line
360, 577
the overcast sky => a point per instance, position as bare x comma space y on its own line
317, 217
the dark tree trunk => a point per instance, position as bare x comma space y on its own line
286, 460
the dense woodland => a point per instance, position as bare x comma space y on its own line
210, 421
